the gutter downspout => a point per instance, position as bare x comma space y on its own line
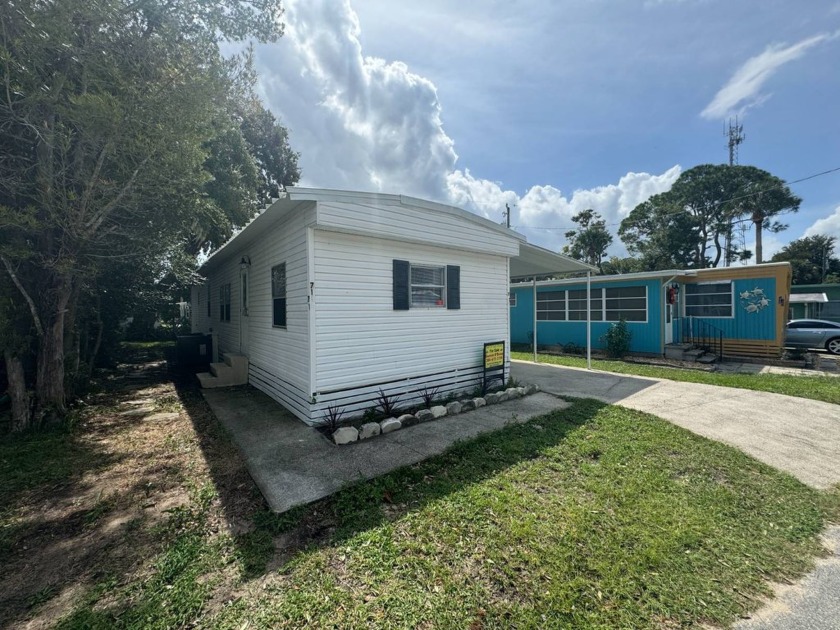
535, 320
588, 320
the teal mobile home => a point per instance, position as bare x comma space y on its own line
744, 308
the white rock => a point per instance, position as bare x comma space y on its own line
453, 408
368, 430
438, 411
345, 435
479, 402
523, 391
391, 424
424, 415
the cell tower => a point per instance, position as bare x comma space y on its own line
736, 136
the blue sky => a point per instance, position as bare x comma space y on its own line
554, 106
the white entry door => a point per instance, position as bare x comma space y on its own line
243, 311
669, 323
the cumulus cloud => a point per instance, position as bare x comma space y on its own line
743, 90
828, 226
365, 123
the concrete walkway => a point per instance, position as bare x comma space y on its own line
796, 435
293, 464
813, 603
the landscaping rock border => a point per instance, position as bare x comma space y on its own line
349, 434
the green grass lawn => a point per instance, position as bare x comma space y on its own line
825, 388
591, 517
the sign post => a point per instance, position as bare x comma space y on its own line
494, 362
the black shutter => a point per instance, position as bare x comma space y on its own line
401, 272
453, 287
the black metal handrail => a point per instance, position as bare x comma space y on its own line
702, 334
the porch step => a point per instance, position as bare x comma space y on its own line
688, 352
706, 358
675, 351
233, 371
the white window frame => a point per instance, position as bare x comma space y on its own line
512, 299
685, 297
629, 321
412, 285
565, 309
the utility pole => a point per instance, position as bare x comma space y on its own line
507, 215
735, 135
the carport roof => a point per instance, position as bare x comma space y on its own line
534, 261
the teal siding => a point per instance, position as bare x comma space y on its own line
760, 325
646, 337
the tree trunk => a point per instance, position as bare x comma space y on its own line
49, 381
21, 410
758, 220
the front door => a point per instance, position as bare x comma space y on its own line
243, 311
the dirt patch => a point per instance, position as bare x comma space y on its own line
131, 473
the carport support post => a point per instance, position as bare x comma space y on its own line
588, 321
535, 320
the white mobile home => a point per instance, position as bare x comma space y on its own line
333, 295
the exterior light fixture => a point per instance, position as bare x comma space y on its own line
245, 262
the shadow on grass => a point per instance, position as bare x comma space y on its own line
361, 504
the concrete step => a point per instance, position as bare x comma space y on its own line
693, 354
234, 371
707, 358
676, 350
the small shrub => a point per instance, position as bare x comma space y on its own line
512, 382
332, 417
429, 395
617, 339
572, 348
387, 403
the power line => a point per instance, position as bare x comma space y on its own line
757, 192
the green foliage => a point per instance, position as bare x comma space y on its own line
811, 259
691, 225
590, 242
617, 339
129, 144
616, 265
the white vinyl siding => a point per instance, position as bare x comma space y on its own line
361, 340
420, 225
709, 299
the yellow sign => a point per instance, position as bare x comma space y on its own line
494, 355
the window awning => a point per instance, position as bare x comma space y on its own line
807, 298
537, 261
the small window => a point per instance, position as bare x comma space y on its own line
551, 306
512, 299
713, 299
627, 303
224, 303
278, 295
428, 286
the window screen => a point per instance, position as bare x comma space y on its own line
708, 300
628, 303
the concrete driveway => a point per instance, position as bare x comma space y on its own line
796, 435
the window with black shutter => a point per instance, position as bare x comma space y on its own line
426, 286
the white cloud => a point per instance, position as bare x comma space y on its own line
743, 90
364, 123
828, 226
